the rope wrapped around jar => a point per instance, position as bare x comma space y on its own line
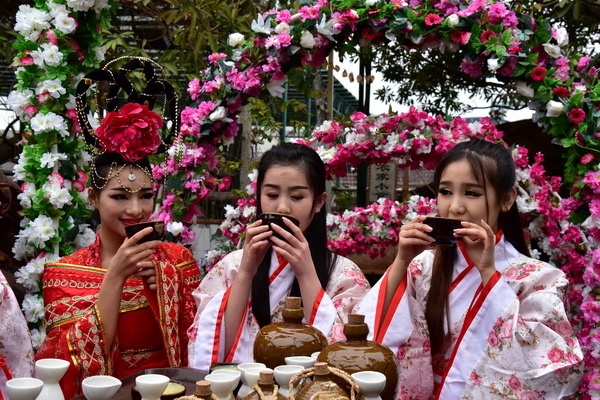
307, 373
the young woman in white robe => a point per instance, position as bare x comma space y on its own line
479, 319
247, 289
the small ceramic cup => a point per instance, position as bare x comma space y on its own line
223, 384
304, 361
100, 387
246, 389
371, 383
283, 375
23, 388
151, 386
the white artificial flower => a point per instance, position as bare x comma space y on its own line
40, 230
276, 88
37, 337
326, 154
52, 86
235, 39
33, 307
48, 160
307, 40
562, 37
30, 22
525, 90
100, 5
47, 54
231, 212
282, 27
552, 50
371, 3
326, 28
554, 108
452, 20
57, 9
260, 25
80, 5
22, 249
249, 211
100, 52
493, 64
175, 228
65, 24
86, 236
19, 99
57, 196
19, 172
218, 114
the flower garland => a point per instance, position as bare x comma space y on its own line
58, 41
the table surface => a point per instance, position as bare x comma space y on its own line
187, 376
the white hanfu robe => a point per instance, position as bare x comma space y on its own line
16, 350
345, 289
509, 340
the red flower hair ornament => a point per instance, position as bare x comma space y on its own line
133, 132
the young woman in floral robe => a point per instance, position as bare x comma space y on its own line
16, 351
247, 289
479, 319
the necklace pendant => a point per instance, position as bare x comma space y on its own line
131, 177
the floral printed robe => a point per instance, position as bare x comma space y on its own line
16, 351
346, 288
514, 338
152, 325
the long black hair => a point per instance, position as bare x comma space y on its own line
491, 163
309, 162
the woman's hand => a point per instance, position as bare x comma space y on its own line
483, 242
413, 239
133, 258
255, 247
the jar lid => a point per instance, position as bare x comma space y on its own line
203, 388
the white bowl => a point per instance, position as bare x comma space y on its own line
100, 387
304, 361
23, 388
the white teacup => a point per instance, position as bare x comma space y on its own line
100, 387
223, 384
315, 355
304, 361
151, 386
23, 388
283, 375
243, 367
371, 383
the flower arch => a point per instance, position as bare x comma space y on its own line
527, 53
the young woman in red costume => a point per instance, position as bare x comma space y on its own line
120, 306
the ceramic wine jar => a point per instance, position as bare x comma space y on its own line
322, 375
291, 337
356, 354
265, 388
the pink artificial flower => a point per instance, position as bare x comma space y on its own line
473, 68
538, 73
577, 115
26, 60
496, 13
51, 36
486, 35
215, 57
225, 183
587, 158
284, 16
432, 19
42, 98
583, 62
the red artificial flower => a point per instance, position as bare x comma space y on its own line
132, 132
560, 91
538, 73
432, 19
460, 37
485, 36
577, 115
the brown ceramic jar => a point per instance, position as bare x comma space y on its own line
356, 354
291, 337
266, 388
322, 375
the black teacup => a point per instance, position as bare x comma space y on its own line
443, 230
277, 219
157, 233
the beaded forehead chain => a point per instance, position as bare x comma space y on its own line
131, 131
